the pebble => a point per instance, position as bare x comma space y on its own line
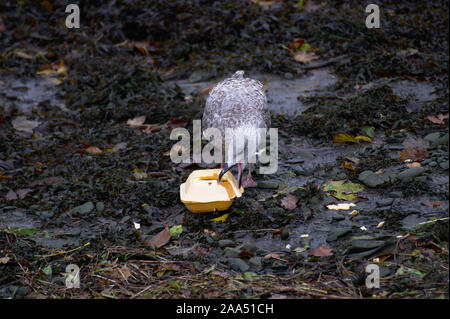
99, 206
268, 184
370, 179
231, 252
83, 209
408, 174
384, 202
338, 217
226, 243
238, 264
444, 165
432, 163
256, 261
395, 194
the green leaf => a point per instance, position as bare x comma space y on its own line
25, 231
210, 269
249, 276
305, 47
47, 270
369, 131
343, 187
175, 231
342, 190
301, 3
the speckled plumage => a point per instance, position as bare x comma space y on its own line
239, 104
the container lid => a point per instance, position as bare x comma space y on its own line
202, 186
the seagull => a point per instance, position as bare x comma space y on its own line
238, 105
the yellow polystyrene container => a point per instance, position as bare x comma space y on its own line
202, 192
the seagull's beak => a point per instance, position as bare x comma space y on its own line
225, 169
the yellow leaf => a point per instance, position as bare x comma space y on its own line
220, 218
364, 138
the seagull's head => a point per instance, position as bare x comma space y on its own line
241, 152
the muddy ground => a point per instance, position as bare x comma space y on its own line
76, 179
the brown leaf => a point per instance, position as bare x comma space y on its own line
437, 119
205, 91
23, 192
289, 202
273, 255
246, 255
413, 164
305, 57
137, 121
150, 128
157, 174
415, 150
47, 181
4, 260
296, 44
47, 5
159, 240
348, 165
433, 204
93, 150
321, 251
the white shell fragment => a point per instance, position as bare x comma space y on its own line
341, 206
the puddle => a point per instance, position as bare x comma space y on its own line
26, 94
282, 94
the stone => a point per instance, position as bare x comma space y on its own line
371, 179
238, 264
226, 243
408, 174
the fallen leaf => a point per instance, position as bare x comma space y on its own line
437, 119
21, 123
414, 164
177, 122
150, 128
348, 165
54, 70
273, 255
93, 150
157, 174
175, 231
23, 55
4, 260
205, 91
342, 189
137, 121
289, 202
296, 44
220, 218
159, 240
343, 137
305, 57
433, 204
321, 251
415, 150
11, 195
47, 181
47, 5
22, 193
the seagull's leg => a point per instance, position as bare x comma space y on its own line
248, 181
239, 165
